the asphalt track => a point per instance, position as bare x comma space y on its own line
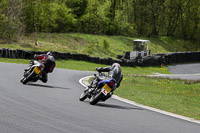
183, 71
54, 108
185, 68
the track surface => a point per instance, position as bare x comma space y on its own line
184, 71
54, 108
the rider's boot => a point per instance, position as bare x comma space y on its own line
43, 77
90, 90
92, 87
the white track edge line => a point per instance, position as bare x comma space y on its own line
147, 107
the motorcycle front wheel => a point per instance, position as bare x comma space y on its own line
28, 78
83, 95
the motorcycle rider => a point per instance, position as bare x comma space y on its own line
48, 62
114, 72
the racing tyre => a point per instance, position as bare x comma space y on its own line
96, 98
83, 96
28, 78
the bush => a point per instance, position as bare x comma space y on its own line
105, 44
89, 49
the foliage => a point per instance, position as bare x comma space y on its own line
11, 20
173, 18
105, 44
78, 7
89, 49
49, 16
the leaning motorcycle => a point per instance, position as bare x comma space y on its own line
33, 72
102, 91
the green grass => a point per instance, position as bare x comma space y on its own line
97, 45
177, 96
92, 45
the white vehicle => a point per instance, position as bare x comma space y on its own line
140, 49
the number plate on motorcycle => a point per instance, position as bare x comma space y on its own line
37, 70
107, 88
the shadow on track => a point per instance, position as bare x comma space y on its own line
117, 106
47, 86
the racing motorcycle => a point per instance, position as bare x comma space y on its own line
33, 72
100, 91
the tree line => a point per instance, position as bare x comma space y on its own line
173, 18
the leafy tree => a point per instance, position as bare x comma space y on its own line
11, 18
2, 18
78, 7
57, 18
49, 16
95, 19
176, 18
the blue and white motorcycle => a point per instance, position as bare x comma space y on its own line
101, 88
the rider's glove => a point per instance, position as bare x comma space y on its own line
31, 63
35, 56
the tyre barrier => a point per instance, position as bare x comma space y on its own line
153, 60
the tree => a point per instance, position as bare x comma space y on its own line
11, 16
95, 19
78, 7
49, 16
176, 18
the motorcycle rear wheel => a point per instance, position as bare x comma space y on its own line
94, 99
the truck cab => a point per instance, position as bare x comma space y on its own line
140, 49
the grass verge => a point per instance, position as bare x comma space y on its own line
96, 45
177, 96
